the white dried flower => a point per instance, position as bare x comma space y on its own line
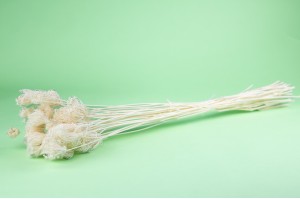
34, 141
29, 97
36, 121
13, 132
63, 140
53, 151
73, 112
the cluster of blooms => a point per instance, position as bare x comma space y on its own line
57, 128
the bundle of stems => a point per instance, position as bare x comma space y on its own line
56, 128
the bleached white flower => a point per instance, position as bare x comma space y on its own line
68, 138
13, 132
29, 97
34, 141
73, 112
36, 121
52, 150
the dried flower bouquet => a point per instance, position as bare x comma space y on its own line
57, 128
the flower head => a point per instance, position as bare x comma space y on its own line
73, 112
29, 97
34, 141
13, 132
36, 121
63, 140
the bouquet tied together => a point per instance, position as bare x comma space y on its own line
57, 128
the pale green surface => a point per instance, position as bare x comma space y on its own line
116, 52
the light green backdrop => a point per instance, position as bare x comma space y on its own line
116, 52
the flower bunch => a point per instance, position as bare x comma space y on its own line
57, 128
54, 126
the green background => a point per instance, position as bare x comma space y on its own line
117, 52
